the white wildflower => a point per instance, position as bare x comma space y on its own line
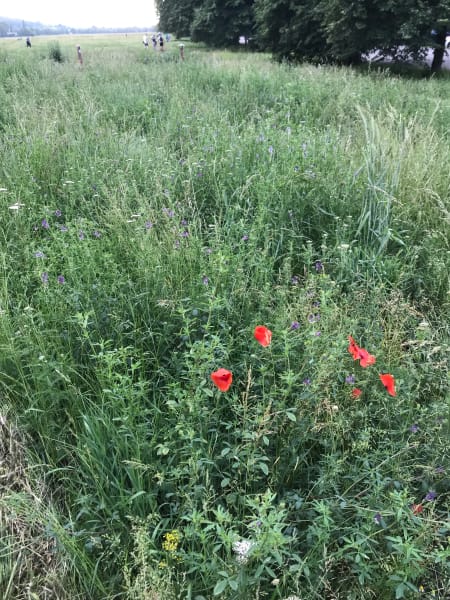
242, 550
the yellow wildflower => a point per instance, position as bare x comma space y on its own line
171, 541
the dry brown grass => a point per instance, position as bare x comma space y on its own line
30, 565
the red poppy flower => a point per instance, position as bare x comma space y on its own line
417, 509
222, 379
356, 393
353, 348
262, 335
361, 354
389, 383
366, 359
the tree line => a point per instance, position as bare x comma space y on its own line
336, 31
18, 27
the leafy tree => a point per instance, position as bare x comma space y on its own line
291, 30
176, 16
396, 29
216, 22
343, 30
221, 22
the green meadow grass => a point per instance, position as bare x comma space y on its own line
154, 211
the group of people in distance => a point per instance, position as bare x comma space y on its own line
157, 40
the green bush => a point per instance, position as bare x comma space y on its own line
55, 52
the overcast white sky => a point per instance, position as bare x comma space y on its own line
82, 13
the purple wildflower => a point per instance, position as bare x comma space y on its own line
205, 280
81, 235
318, 333
295, 279
185, 233
431, 496
44, 277
296, 168
44, 224
183, 222
61, 279
208, 250
39, 254
414, 428
377, 518
63, 228
307, 381
440, 469
57, 213
148, 224
270, 150
295, 325
318, 266
350, 379
244, 238
97, 234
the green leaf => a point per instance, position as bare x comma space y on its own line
291, 417
220, 587
137, 494
264, 468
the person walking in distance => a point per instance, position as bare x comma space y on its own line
145, 40
28, 42
79, 55
161, 42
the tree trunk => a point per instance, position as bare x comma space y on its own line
439, 50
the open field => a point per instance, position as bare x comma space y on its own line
154, 212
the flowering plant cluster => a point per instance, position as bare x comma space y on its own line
223, 378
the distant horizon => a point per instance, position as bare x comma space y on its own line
83, 14
69, 26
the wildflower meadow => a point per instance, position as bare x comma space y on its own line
224, 326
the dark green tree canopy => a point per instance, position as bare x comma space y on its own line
176, 15
341, 31
222, 22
